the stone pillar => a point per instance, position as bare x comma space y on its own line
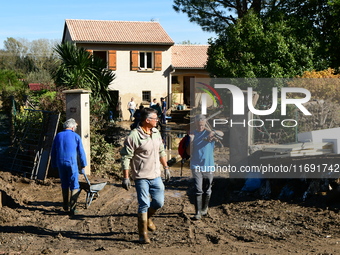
241, 135
78, 108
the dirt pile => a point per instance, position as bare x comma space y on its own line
32, 221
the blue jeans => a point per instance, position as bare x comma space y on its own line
132, 112
163, 118
153, 188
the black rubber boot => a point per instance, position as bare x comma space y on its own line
73, 201
198, 207
66, 198
206, 199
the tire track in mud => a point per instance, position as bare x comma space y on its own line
116, 209
114, 198
202, 232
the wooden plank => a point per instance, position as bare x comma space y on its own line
47, 146
311, 152
296, 147
276, 156
299, 154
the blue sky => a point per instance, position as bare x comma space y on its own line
36, 19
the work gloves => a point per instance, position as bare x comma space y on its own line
126, 184
167, 174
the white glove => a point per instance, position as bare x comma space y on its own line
126, 184
167, 174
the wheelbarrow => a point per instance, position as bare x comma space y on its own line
91, 190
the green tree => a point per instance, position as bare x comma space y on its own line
252, 48
13, 53
42, 52
37, 57
16, 47
216, 16
332, 33
11, 84
316, 24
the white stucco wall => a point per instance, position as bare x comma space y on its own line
132, 83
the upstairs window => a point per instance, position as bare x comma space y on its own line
145, 60
108, 57
101, 54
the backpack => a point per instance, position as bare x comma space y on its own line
182, 147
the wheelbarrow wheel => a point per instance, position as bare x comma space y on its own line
89, 198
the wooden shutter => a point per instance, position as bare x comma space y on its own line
134, 60
158, 60
112, 60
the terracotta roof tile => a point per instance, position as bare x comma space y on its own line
189, 56
108, 31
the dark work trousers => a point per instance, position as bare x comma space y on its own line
202, 181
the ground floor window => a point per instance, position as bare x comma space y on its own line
146, 96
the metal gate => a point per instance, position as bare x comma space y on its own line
31, 146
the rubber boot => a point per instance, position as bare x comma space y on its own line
151, 225
65, 199
73, 201
198, 208
143, 228
206, 199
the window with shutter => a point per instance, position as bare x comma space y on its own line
90, 51
146, 60
112, 60
158, 60
134, 60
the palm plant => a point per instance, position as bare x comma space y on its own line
79, 69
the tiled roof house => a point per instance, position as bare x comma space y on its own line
189, 56
144, 58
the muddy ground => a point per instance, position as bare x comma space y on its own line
32, 221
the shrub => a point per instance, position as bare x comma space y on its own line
102, 157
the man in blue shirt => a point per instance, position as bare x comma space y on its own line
202, 142
67, 147
163, 106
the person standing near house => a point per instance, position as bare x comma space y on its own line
163, 115
67, 147
142, 154
201, 151
136, 117
154, 102
132, 108
158, 108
